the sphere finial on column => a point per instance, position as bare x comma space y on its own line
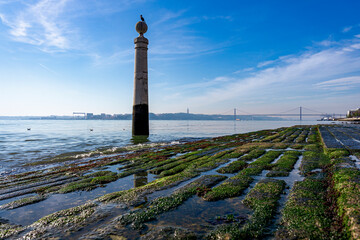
141, 27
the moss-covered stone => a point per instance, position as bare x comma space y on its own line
304, 215
284, 165
263, 200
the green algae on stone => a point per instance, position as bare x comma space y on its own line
173, 233
8, 230
253, 154
230, 188
302, 137
60, 221
23, 202
164, 204
284, 165
337, 153
89, 182
130, 196
286, 133
304, 215
234, 186
297, 146
313, 160
347, 185
233, 167
263, 200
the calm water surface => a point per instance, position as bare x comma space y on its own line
50, 138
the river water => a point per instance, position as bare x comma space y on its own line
47, 139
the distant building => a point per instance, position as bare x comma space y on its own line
353, 113
89, 116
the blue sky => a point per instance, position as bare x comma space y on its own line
60, 56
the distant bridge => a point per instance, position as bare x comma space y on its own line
299, 110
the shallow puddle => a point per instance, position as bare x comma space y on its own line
356, 161
290, 181
57, 202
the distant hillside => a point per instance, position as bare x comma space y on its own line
190, 116
152, 116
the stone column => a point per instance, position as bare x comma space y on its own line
140, 117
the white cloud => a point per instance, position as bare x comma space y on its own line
228, 18
266, 63
168, 15
326, 43
244, 70
347, 29
51, 25
289, 75
174, 37
339, 83
117, 57
40, 24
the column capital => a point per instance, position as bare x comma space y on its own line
141, 39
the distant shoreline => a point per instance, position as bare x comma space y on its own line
152, 116
348, 119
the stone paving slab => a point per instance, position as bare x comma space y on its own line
329, 140
348, 141
352, 132
338, 137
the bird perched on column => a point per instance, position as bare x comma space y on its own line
142, 19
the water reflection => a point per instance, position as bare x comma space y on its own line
139, 139
140, 179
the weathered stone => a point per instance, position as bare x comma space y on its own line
140, 118
165, 233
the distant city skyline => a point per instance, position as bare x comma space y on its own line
57, 57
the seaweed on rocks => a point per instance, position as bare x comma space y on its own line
284, 165
234, 186
263, 200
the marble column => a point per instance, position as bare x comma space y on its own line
140, 117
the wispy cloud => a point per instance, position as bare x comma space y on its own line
51, 25
244, 70
175, 36
350, 28
214, 83
266, 63
40, 24
168, 15
227, 18
288, 76
124, 56
47, 69
339, 84
347, 29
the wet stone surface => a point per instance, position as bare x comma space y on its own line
259, 185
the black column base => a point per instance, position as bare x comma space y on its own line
140, 120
